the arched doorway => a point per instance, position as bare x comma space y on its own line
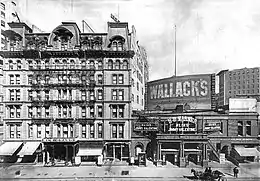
138, 148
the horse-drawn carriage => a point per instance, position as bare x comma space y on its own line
207, 176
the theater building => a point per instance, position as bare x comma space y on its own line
182, 125
67, 94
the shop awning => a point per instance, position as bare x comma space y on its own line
8, 148
29, 148
89, 152
242, 151
169, 150
192, 150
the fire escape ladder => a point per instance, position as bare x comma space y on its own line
214, 151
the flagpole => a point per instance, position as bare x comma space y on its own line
175, 61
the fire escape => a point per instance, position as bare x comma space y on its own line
49, 77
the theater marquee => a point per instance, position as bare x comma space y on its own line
192, 91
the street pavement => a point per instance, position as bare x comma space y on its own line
115, 173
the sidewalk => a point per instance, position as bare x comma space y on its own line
30, 171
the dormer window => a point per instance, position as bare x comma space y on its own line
117, 43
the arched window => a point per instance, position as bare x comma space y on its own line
11, 65
47, 64
19, 65
57, 63
100, 65
91, 64
83, 64
110, 64
125, 64
114, 46
119, 46
72, 63
117, 66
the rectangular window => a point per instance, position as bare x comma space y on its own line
100, 111
65, 131
240, 128
121, 131
59, 130
39, 131
39, 112
92, 96
121, 111
30, 95
12, 97
120, 95
248, 128
12, 130
114, 130
18, 131
30, 112
47, 112
83, 95
59, 112
91, 131
71, 130
47, 95
30, 130
83, 112
11, 79
114, 79
114, 94
18, 80
18, 111
18, 95
114, 111
92, 111
84, 131
100, 131
120, 79
100, 79
137, 99
69, 112
100, 94
12, 110
47, 131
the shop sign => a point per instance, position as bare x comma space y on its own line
145, 126
182, 124
216, 126
58, 139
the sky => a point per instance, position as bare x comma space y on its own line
211, 35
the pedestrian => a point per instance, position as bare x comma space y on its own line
235, 170
209, 170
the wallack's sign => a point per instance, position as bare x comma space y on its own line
193, 90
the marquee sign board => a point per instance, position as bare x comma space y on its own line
146, 126
182, 124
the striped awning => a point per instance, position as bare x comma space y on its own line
89, 152
242, 151
29, 148
8, 148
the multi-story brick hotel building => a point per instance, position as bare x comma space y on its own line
69, 95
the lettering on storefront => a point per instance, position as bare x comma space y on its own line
145, 126
58, 139
182, 124
216, 126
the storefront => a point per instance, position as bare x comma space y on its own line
90, 152
60, 151
117, 151
179, 142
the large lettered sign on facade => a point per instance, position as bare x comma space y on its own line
191, 91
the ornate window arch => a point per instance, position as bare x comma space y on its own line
110, 64
125, 64
117, 65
